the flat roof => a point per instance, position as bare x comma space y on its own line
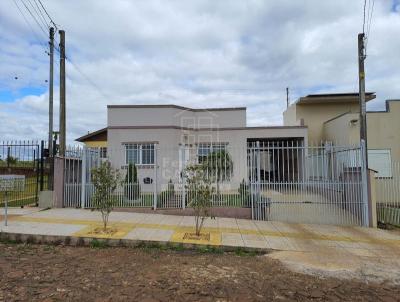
348, 97
178, 107
207, 129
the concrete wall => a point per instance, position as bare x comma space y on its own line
171, 116
95, 144
384, 129
314, 116
169, 142
343, 130
289, 116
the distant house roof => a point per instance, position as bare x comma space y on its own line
177, 107
334, 98
98, 135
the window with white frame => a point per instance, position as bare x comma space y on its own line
380, 160
139, 154
204, 149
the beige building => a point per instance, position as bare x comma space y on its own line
161, 139
335, 118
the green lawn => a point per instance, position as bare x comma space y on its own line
26, 197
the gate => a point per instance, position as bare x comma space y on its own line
294, 183
23, 158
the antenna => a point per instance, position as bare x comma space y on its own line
287, 97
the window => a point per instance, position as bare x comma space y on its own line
139, 154
380, 161
206, 148
103, 152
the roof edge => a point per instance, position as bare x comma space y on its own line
178, 107
89, 135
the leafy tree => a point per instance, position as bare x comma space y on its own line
105, 180
218, 166
132, 188
199, 194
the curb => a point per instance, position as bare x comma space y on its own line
130, 243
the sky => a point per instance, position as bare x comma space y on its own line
190, 53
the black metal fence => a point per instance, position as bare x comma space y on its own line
26, 158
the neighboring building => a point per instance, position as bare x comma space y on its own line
134, 132
96, 139
335, 118
315, 109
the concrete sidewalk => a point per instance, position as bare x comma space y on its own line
220, 231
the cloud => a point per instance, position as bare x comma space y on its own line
193, 53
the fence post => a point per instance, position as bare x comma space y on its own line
155, 178
182, 151
83, 180
41, 164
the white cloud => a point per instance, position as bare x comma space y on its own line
194, 53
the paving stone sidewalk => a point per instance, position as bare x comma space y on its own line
366, 242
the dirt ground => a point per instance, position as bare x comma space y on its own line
57, 273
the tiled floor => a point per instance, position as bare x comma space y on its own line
364, 242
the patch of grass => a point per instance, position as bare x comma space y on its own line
8, 241
98, 244
210, 249
242, 252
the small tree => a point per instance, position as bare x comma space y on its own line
105, 180
218, 166
199, 194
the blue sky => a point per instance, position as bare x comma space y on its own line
9, 96
191, 53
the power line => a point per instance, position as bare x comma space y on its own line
31, 28
363, 26
51, 20
39, 15
369, 23
34, 18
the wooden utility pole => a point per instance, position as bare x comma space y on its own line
50, 142
363, 127
62, 94
287, 97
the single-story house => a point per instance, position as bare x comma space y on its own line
161, 139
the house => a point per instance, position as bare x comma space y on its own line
267, 172
161, 139
335, 118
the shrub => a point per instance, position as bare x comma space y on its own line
131, 187
168, 194
244, 192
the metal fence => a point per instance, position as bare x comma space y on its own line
24, 158
316, 184
156, 179
275, 180
388, 196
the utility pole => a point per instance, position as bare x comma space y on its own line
287, 97
62, 93
363, 126
50, 143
